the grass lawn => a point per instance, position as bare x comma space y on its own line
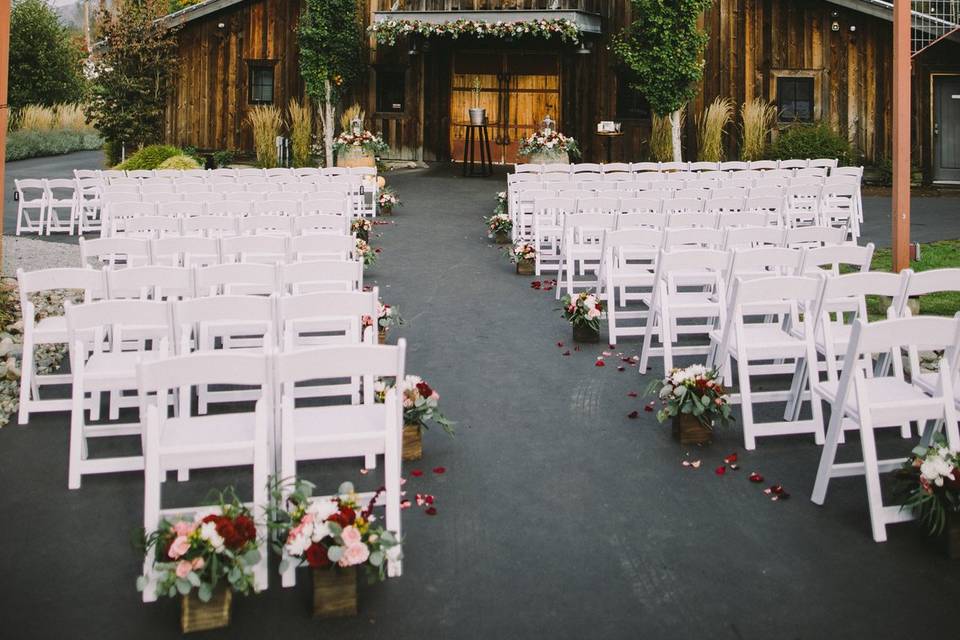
934, 255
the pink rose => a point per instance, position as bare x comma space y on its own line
179, 547
351, 536
183, 569
354, 554
183, 528
197, 564
434, 396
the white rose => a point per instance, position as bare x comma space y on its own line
208, 532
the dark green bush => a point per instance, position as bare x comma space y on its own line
149, 157
112, 152
802, 141
35, 144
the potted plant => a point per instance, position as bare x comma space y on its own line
478, 114
419, 408
548, 147
365, 253
387, 200
524, 255
499, 227
204, 560
334, 537
361, 228
929, 486
583, 312
387, 317
695, 399
355, 146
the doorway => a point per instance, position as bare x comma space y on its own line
946, 128
516, 88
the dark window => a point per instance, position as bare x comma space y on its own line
261, 83
795, 99
631, 104
390, 91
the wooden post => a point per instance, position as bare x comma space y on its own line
4, 108
901, 135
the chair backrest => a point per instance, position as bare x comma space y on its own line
275, 207
702, 237
640, 205
255, 248
185, 209
228, 208
265, 225
814, 236
598, 205
223, 368
829, 163
321, 275
692, 193
793, 164
586, 167
848, 292
933, 281
772, 295
115, 252
151, 226
342, 312
142, 318
242, 278
321, 223
763, 165
341, 361
724, 206
734, 165
528, 168
185, 251
151, 282
616, 167
685, 219
744, 237
194, 320
322, 246
90, 281
191, 188
747, 219
641, 220
210, 226
682, 205
837, 256
160, 197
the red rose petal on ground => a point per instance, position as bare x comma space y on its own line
632, 394
633, 415
430, 511
416, 473
730, 458
535, 284
439, 469
695, 464
777, 489
735, 467
559, 344
720, 470
566, 353
405, 504
648, 407
599, 363
756, 477
606, 354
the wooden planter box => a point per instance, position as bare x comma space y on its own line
501, 237
412, 442
382, 336
585, 333
385, 211
335, 592
526, 267
549, 157
196, 615
357, 157
688, 430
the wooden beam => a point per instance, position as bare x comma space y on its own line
4, 107
901, 135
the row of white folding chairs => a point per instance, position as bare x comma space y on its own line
264, 245
351, 184
59, 204
245, 172
671, 186
722, 177
156, 282
639, 167
276, 435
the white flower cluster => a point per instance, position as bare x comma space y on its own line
936, 466
313, 528
693, 372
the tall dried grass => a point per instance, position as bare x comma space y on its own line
35, 117
711, 125
300, 132
266, 122
70, 116
348, 115
757, 119
661, 138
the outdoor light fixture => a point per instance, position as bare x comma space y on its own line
835, 26
220, 25
584, 49
853, 28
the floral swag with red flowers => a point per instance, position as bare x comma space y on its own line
929, 484
419, 400
694, 390
326, 533
202, 552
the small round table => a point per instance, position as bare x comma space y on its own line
609, 135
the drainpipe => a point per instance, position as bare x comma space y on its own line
901, 135
4, 107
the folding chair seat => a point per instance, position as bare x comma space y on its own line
745, 219
802, 206
814, 237
889, 400
119, 213
625, 278
151, 227
757, 329
321, 275
209, 226
103, 359
150, 282
580, 247
641, 220
690, 219
184, 251
184, 441
366, 428
838, 208
262, 248
688, 286
180, 209
322, 246
233, 208
48, 330
746, 236
61, 198
114, 252
548, 215
239, 278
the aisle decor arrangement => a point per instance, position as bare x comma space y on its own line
499, 227
389, 31
420, 408
583, 311
548, 147
366, 253
204, 560
695, 399
501, 208
334, 537
361, 228
524, 255
387, 201
387, 317
928, 484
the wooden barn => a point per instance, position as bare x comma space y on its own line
815, 59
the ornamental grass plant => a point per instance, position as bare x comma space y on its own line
661, 140
266, 122
757, 118
711, 125
300, 132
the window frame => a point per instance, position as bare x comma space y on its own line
253, 66
623, 87
375, 89
817, 98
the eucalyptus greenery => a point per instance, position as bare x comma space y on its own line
928, 484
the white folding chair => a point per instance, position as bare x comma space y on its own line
31, 195
209, 226
321, 223
184, 251
548, 214
321, 275
114, 252
692, 237
793, 164
184, 441
61, 198
151, 282
240, 278
102, 360
117, 214
747, 237
814, 237
365, 428
867, 403
580, 248
802, 206
322, 246
89, 201
838, 208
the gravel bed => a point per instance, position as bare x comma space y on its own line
32, 253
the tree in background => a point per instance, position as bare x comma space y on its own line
46, 59
131, 73
663, 47
331, 48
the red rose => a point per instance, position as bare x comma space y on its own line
345, 517
317, 556
424, 389
246, 530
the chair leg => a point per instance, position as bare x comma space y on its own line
828, 455
746, 403
816, 408
26, 382
77, 442
872, 476
648, 331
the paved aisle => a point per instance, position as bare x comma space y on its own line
557, 516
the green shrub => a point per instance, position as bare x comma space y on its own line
35, 144
222, 158
811, 141
112, 152
149, 157
179, 162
